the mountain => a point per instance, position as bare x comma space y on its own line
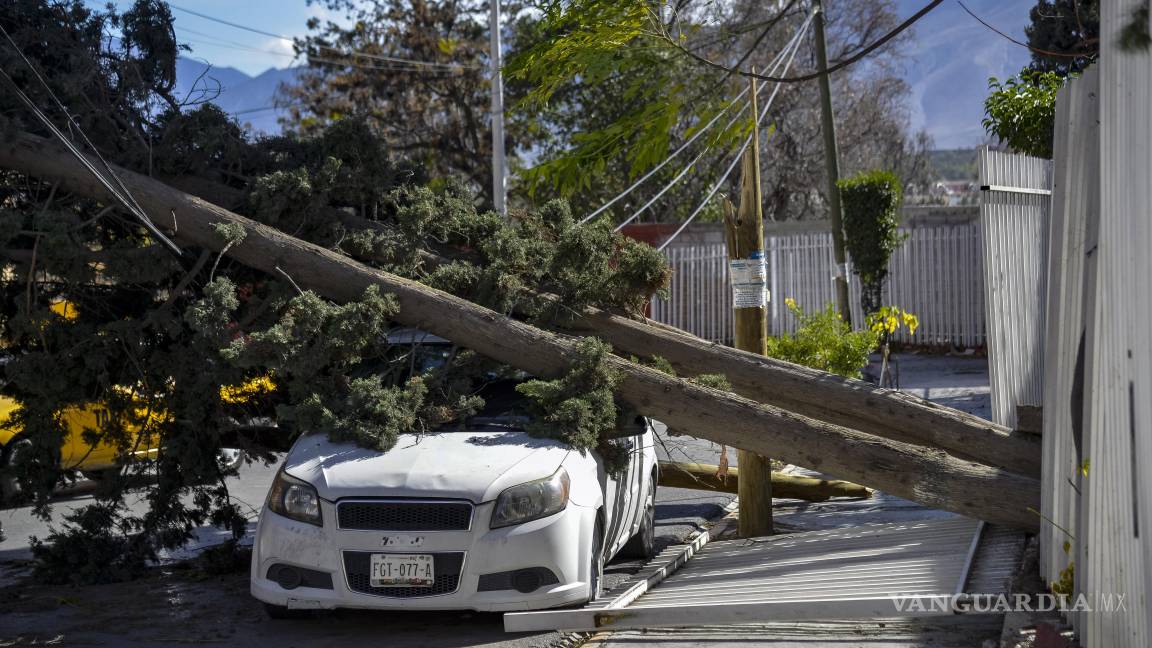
954, 164
249, 98
946, 62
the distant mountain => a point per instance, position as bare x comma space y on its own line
946, 63
954, 164
250, 99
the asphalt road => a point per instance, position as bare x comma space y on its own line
172, 608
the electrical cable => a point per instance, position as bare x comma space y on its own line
865, 51
261, 32
1021, 44
792, 46
123, 195
723, 177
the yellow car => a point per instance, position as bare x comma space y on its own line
92, 460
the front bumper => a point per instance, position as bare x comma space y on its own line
559, 543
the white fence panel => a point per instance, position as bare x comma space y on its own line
1014, 218
937, 274
1114, 533
1075, 195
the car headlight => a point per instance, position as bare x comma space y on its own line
532, 500
295, 499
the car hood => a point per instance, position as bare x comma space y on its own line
475, 466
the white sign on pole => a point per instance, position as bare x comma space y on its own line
749, 281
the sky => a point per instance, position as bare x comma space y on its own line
950, 63
947, 66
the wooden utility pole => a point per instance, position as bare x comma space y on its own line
745, 234
832, 168
499, 170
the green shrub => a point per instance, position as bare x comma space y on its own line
871, 203
1021, 111
824, 341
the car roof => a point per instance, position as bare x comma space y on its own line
414, 336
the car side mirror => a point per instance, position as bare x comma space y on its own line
629, 423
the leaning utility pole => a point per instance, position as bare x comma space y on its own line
745, 235
832, 168
499, 177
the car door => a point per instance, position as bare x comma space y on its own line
626, 494
642, 462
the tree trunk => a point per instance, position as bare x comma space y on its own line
703, 477
928, 476
843, 401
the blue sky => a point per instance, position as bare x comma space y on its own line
947, 68
954, 55
224, 46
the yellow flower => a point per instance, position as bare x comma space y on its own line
790, 303
911, 321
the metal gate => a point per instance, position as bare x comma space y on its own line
925, 568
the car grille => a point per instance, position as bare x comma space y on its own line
387, 515
446, 564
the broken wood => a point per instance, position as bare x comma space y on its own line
926, 475
699, 476
1030, 419
843, 401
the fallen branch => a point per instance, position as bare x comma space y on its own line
925, 475
698, 476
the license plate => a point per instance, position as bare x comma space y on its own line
402, 570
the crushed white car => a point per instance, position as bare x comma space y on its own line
483, 518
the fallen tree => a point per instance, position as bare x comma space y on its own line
698, 476
835, 399
926, 475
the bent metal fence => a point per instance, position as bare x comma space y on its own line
937, 274
1095, 342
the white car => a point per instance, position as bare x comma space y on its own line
488, 518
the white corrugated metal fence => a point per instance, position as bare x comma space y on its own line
1098, 500
936, 274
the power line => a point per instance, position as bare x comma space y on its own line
668, 159
1021, 44
865, 51
121, 193
334, 62
379, 57
723, 177
792, 45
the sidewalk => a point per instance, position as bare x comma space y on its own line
960, 382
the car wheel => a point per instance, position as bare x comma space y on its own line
643, 544
279, 612
596, 577
10, 488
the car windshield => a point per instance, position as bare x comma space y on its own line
504, 408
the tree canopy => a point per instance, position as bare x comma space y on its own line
619, 91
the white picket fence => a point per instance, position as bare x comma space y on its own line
1097, 287
936, 274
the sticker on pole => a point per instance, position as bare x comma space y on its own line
749, 281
